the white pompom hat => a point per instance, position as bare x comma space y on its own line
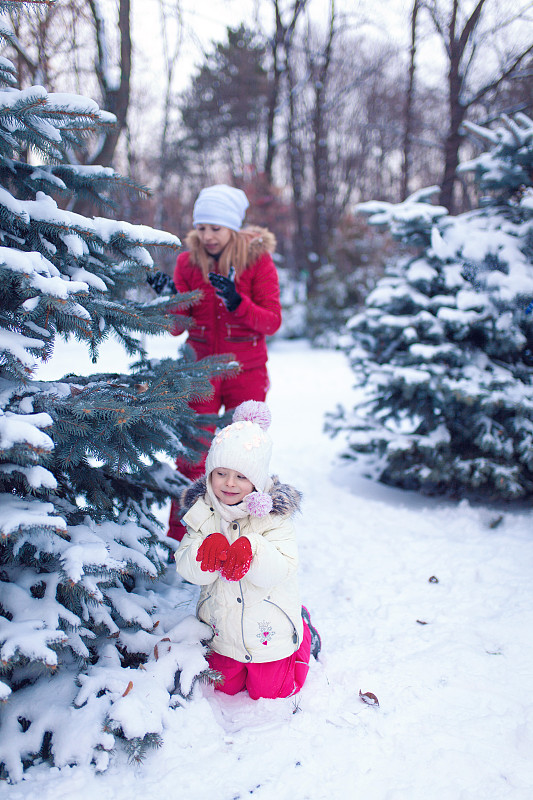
244, 445
220, 205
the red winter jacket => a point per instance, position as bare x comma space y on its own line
243, 331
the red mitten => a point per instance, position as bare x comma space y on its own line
238, 560
213, 552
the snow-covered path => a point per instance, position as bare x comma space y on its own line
450, 659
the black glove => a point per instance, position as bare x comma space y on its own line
161, 283
225, 289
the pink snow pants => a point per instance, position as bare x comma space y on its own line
271, 679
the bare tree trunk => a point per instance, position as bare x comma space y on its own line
456, 111
301, 239
170, 60
408, 113
322, 199
114, 98
280, 49
274, 95
284, 74
455, 47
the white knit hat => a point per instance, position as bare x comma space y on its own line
246, 447
220, 205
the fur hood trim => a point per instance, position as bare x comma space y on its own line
259, 240
285, 498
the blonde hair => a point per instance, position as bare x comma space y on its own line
235, 254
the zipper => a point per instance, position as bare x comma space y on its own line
235, 333
216, 320
295, 637
238, 527
242, 623
201, 604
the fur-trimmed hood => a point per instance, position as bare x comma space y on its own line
259, 240
285, 498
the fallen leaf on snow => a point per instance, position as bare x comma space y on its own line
369, 698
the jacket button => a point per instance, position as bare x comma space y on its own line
239, 600
247, 658
235, 526
211, 509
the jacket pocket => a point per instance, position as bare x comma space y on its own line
237, 333
198, 334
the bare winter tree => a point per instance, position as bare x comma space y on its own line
296, 160
320, 63
280, 49
66, 46
470, 36
48, 42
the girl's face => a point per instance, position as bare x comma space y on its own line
230, 487
213, 237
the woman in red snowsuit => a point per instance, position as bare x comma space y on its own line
240, 305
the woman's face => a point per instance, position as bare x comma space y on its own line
230, 487
213, 237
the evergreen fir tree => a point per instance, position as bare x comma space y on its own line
444, 346
92, 645
226, 103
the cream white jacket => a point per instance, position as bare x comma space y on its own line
258, 618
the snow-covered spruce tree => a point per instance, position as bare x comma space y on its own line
93, 648
444, 346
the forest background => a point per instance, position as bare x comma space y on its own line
310, 106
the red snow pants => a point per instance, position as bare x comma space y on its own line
250, 384
271, 679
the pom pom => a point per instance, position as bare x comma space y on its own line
253, 411
259, 504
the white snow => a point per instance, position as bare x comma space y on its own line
25, 428
414, 209
425, 603
16, 513
37, 476
44, 276
17, 344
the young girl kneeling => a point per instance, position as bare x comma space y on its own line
240, 547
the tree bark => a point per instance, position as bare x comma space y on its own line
170, 56
322, 199
114, 98
301, 238
456, 111
408, 112
274, 95
281, 45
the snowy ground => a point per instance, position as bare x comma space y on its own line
450, 659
